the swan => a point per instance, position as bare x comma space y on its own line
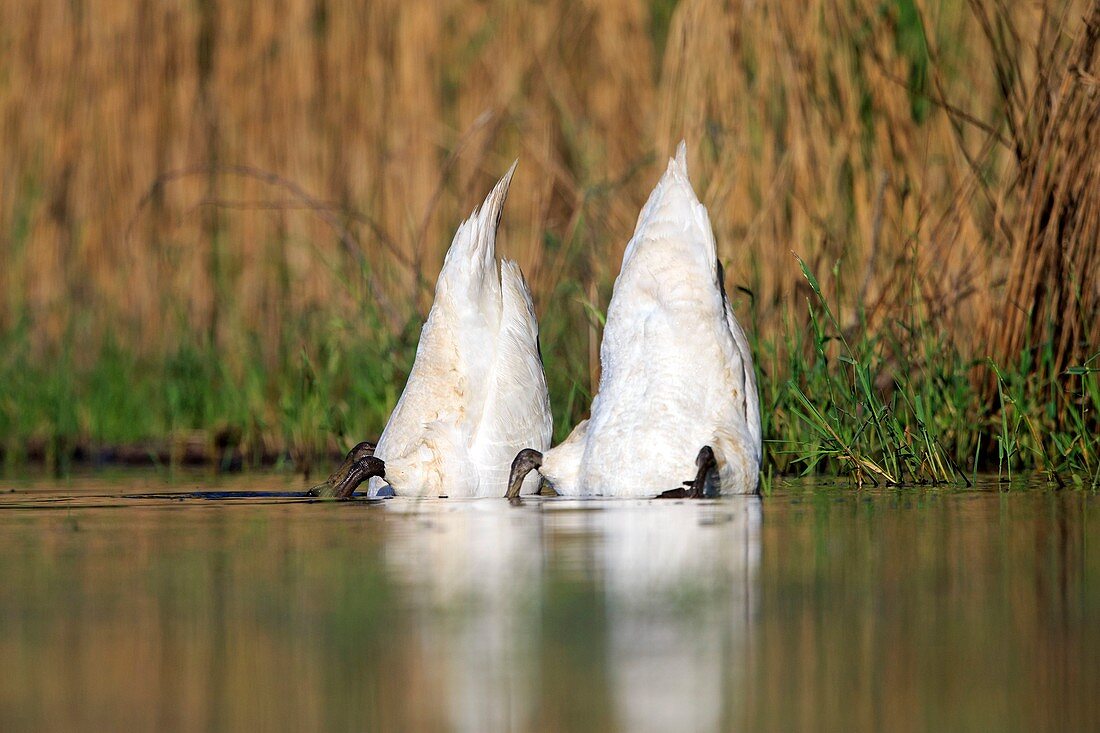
476, 393
677, 390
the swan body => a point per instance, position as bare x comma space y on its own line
677, 372
476, 393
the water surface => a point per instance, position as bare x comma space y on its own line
129, 603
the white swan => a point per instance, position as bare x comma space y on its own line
677, 375
476, 393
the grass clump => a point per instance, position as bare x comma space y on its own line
853, 424
902, 406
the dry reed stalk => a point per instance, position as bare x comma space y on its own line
1052, 293
392, 118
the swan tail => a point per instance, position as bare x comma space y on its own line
520, 358
517, 407
680, 160
451, 375
472, 256
519, 306
673, 211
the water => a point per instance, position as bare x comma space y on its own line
817, 608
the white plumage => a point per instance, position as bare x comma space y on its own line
677, 373
476, 393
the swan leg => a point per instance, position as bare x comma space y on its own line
337, 477
524, 462
362, 470
705, 485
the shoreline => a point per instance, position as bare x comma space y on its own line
195, 450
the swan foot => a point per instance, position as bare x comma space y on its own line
525, 461
364, 469
358, 466
677, 493
328, 488
545, 489
705, 485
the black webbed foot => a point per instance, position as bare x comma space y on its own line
362, 470
358, 466
705, 485
677, 493
525, 461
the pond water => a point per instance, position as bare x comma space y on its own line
819, 607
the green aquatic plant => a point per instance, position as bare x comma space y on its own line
833, 390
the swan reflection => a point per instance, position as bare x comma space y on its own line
665, 606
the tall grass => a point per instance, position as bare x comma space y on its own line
221, 221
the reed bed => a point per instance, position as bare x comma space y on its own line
221, 221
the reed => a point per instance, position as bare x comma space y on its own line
227, 217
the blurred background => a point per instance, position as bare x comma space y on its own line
221, 222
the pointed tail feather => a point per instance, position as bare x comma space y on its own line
494, 202
672, 206
681, 159
475, 240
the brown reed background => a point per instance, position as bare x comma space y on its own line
208, 170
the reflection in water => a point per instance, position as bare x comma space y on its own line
808, 610
679, 587
472, 574
675, 581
